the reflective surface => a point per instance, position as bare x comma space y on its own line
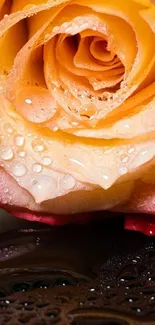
96, 274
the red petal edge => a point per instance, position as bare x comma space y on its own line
52, 219
141, 223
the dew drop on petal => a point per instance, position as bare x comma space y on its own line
105, 177
21, 154
35, 104
43, 186
144, 152
67, 182
74, 123
88, 110
123, 170
46, 161
28, 101
18, 169
37, 168
124, 159
19, 140
55, 128
6, 153
131, 150
38, 145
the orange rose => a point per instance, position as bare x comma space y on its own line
77, 88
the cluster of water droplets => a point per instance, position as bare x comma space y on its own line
124, 158
19, 162
14, 154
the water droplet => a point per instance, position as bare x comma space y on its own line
43, 186
38, 145
92, 289
123, 170
81, 303
55, 128
127, 125
46, 161
88, 110
131, 150
67, 182
7, 302
37, 168
144, 152
106, 177
134, 261
38, 241
121, 152
6, 153
38, 186
35, 103
74, 123
21, 154
28, 101
8, 128
6, 190
18, 169
124, 159
19, 140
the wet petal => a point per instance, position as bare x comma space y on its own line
77, 106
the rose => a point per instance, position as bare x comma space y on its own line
77, 106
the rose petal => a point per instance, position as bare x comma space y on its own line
77, 126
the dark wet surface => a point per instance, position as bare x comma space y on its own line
96, 274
